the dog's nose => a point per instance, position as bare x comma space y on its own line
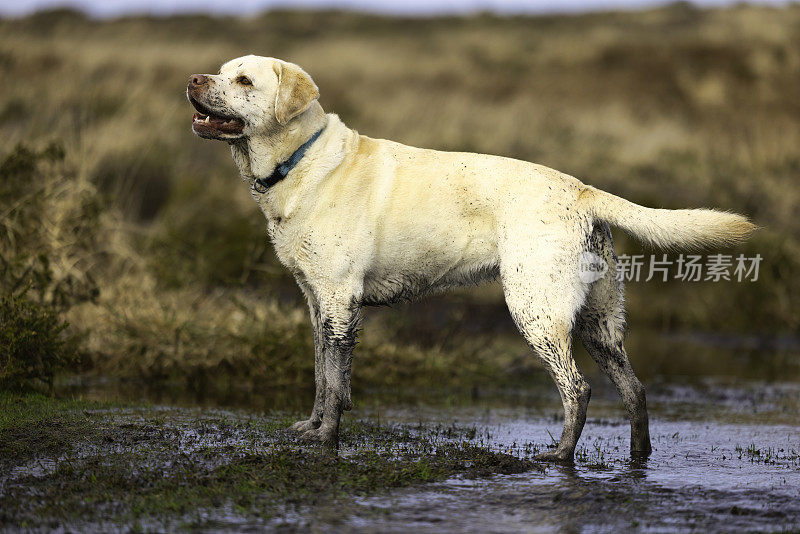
198, 79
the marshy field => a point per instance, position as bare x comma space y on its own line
153, 350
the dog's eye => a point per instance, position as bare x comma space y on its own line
244, 80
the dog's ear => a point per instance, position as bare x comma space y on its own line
296, 91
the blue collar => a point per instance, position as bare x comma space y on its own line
262, 184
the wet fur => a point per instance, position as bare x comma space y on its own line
363, 221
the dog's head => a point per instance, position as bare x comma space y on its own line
251, 95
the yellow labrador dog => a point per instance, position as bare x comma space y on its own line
362, 221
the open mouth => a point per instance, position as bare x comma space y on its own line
207, 123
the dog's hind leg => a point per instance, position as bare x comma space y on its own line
601, 328
543, 293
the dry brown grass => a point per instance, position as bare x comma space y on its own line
674, 107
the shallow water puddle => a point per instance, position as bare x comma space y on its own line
726, 457
700, 475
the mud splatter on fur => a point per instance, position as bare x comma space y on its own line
371, 222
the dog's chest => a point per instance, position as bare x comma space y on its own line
289, 243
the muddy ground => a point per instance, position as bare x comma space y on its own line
726, 457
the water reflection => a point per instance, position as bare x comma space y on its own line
726, 453
695, 479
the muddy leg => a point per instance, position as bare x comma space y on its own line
575, 394
613, 361
601, 328
339, 324
315, 420
543, 292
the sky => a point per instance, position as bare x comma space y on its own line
112, 8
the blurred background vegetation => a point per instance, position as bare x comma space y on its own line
137, 246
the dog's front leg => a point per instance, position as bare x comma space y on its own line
339, 323
315, 420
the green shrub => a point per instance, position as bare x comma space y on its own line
48, 236
34, 344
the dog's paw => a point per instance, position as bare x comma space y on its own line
323, 435
305, 425
556, 455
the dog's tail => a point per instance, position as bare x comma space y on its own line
668, 229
